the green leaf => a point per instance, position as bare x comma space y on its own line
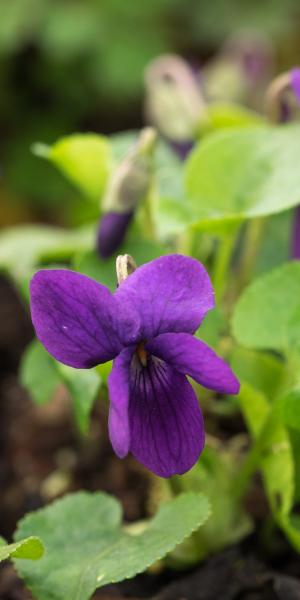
211, 328
288, 407
104, 370
83, 385
214, 475
85, 159
41, 374
38, 373
24, 247
275, 245
277, 462
223, 116
262, 371
88, 548
29, 548
172, 216
171, 213
267, 314
122, 142
235, 175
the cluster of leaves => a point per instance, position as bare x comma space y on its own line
229, 205
233, 182
94, 38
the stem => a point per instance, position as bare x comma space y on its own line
145, 216
185, 242
222, 264
252, 243
253, 457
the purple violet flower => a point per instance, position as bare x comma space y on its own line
129, 185
147, 327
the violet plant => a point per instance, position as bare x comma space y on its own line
204, 302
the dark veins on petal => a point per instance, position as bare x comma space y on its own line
66, 309
166, 424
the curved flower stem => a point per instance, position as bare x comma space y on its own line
252, 244
146, 216
222, 263
253, 457
185, 242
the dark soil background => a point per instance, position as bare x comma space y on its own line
41, 457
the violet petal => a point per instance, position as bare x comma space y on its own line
111, 232
170, 293
295, 82
118, 385
166, 424
192, 357
78, 320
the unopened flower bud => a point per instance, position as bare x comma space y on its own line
240, 71
283, 96
174, 104
129, 185
111, 232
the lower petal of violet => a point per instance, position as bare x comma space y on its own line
166, 423
111, 232
118, 385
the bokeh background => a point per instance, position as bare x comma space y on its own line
77, 65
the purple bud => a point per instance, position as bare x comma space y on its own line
253, 52
240, 70
295, 82
130, 184
182, 149
283, 96
111, 232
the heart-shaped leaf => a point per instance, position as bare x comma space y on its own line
85, 159
241, 174
267, 315
87, 547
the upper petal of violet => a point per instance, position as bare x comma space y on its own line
79, 321
192, 357
171, 294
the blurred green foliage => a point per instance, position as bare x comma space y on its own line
70, 65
